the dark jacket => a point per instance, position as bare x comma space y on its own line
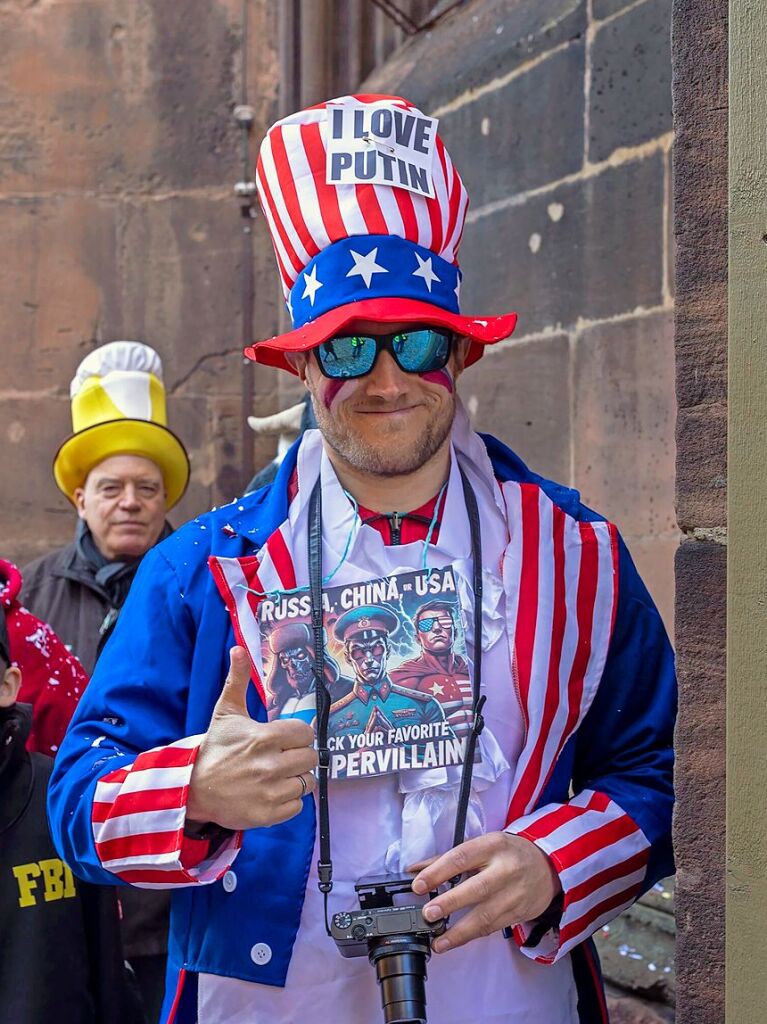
61, 957
61, 589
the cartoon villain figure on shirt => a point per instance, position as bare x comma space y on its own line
375, 702
439, 670
291, 680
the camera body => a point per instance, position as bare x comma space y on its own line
357, 932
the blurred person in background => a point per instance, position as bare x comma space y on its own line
123, 470
53, 677
61, 957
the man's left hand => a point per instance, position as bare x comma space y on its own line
509, 880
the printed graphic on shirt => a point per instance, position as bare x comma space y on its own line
43, 881
395, 667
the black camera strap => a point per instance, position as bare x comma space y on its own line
325, 863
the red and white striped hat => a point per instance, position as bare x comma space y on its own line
366, 213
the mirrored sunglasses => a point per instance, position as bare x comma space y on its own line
418, 351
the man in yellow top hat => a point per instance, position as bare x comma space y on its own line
122, 469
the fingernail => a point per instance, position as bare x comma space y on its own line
432, 912
440, 945
419, 886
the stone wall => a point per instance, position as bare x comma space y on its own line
118, 153
558, 116
700, 197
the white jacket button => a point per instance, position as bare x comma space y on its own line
230, 881
261, 954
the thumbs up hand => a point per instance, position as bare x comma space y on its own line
248, 774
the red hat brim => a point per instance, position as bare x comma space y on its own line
480, 330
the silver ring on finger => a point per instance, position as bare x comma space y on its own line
302, 780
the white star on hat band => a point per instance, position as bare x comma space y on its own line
353, 274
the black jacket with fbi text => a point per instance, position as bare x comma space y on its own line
60, 955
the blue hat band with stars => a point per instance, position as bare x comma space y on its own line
372, 267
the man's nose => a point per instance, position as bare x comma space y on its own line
386, 380
129, 497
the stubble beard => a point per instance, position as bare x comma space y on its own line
393, 456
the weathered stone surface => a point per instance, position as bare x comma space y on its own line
521, 394
654, 559
625, 1009
34, 515
591, 249
109, 95
630, 94
606, 8
526, 132
637, 952
699, 55
477, 44
59, 273
700, 773
702, 466
623, 433
180, 267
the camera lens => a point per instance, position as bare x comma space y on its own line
400, 963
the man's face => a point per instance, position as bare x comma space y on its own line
436, 631
368, 657
387, 423
298, 668
123, 502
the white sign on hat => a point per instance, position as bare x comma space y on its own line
380, 144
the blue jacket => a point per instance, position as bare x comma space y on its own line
161, 674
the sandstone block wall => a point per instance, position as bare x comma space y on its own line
558, 116
118, 154
700, 197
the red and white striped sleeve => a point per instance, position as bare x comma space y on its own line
138, 818
600, 855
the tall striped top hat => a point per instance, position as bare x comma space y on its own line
118, 408
366, 213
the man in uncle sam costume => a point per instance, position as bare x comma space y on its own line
172, 777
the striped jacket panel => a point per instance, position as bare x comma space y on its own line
139, 812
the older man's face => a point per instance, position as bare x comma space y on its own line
123, 501
387, 423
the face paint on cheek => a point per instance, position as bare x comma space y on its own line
333, 390
443, 377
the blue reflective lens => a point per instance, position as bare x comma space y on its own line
347, 357
421, 351
416, 351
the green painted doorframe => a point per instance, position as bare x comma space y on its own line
746, 949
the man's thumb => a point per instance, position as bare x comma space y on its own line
233, 699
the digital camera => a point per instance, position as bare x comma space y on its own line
396, 941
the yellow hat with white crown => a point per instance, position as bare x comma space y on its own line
118, 408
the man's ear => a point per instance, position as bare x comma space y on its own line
460, 351
79, 497
299, 361
10, 683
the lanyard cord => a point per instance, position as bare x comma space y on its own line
325, 863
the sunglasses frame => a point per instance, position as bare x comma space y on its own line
385, 342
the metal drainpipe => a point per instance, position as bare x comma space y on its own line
245, 191
316, 73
